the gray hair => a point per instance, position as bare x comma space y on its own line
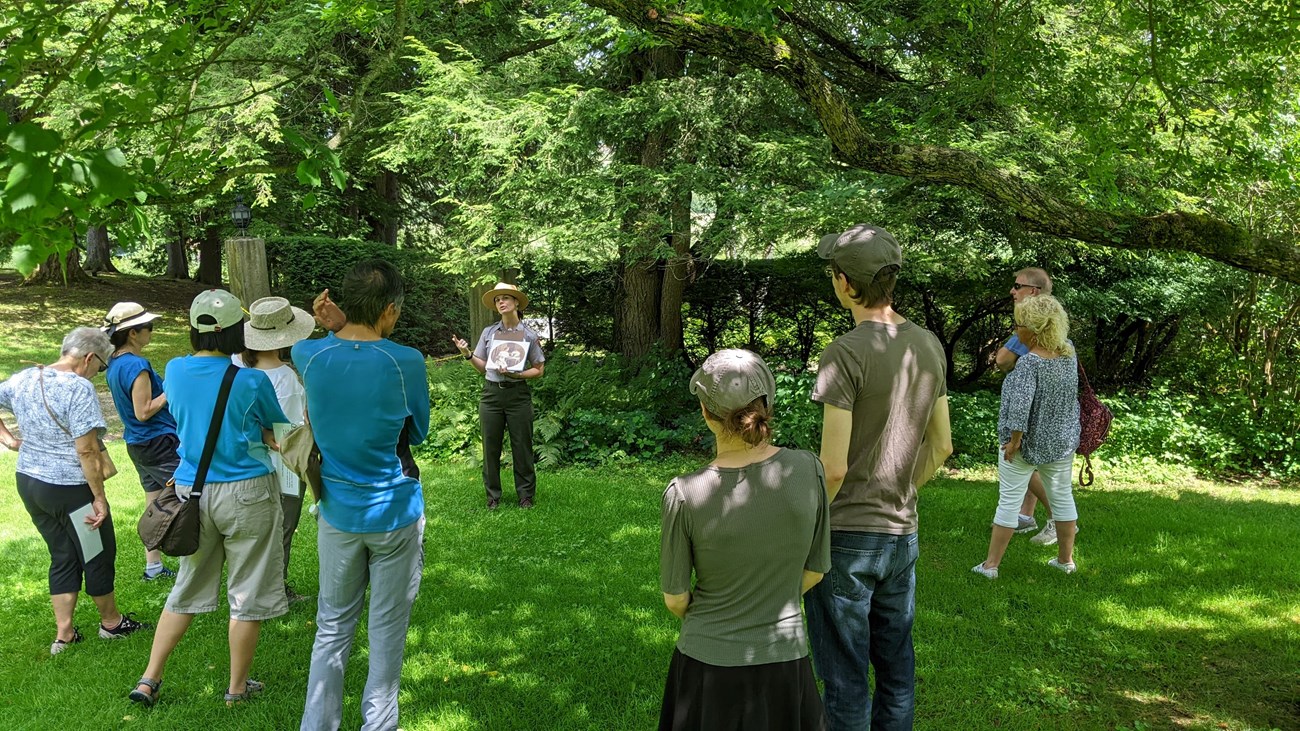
86, 340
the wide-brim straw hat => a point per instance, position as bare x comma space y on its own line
504, 288
274, 324
126, 315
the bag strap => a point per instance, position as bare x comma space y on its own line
40, 376
1083, 376
1087, 465
210, 446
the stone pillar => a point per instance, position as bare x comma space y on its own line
246, 267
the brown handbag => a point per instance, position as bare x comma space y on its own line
1094, 425
106, 467
301, 455
170, 524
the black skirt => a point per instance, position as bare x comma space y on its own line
779, 696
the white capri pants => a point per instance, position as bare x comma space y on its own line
1013, 483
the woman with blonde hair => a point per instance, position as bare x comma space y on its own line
1038, 428
753, 527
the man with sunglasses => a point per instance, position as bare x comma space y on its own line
1029, 282
147, 425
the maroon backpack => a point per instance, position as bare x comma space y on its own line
1094, 424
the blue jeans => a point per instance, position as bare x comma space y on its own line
861, 615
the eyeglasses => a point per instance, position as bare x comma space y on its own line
103, 365
1020, 285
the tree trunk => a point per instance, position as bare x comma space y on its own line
99, 256
676, 275
178, 265
62, 272
384, 217
210, 257
639, 326
647, 220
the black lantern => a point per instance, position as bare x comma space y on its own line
242, 215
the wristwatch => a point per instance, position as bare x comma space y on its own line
469, 355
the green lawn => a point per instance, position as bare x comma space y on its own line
1185, 613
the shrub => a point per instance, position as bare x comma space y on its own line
300, 267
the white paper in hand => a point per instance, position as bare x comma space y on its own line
91, 544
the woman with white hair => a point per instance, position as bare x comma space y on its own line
61, 473
1038, 428
753, 527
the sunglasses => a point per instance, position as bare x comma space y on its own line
103, 365
1018, 286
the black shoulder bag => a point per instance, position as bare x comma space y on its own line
170, 524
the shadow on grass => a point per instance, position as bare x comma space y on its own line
1184, 614
548, 618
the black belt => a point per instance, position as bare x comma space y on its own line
505, 384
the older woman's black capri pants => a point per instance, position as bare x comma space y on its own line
49, 506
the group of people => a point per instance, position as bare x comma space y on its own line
747, 541
760, 526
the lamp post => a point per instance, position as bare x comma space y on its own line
242, 215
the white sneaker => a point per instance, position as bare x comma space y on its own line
1046, 536
1066, 567
1026, 525
986, 572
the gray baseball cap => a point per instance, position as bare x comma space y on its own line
218, 304
730, 380
862, 251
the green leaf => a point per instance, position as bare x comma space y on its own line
148, 165
331, 101
309, 201
28, 254
32, 138
22, 202
294, 139
309, 173
18, 174
115, 156
94, 78
339, 177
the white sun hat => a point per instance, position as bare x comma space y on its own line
274, 324
126, 315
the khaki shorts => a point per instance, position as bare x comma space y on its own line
240, 529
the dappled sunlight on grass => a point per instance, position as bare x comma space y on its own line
1185, 612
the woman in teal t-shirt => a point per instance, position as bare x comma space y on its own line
240, 519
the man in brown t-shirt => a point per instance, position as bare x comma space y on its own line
884, 433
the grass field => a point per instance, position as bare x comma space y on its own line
1185, 613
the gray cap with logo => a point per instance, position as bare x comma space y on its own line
862, 251
730, 380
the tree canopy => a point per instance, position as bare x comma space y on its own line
658, 132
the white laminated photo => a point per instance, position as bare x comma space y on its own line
507, 355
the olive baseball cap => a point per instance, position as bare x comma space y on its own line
862, 251
730, 380
218, 304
